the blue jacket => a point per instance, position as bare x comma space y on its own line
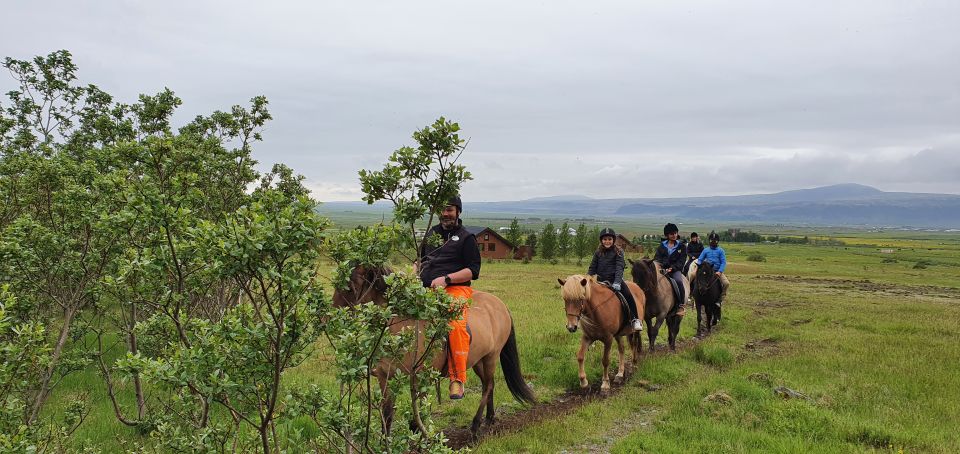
716, 257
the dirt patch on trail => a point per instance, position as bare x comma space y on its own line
870, 286
567, 403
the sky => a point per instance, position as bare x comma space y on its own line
601, 99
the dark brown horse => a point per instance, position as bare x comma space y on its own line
706, 293
597, 310
492, 337
661, 300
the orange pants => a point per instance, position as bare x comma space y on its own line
459, 338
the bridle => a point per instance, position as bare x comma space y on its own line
583, 306
701, 289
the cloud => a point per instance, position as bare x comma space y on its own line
607, 98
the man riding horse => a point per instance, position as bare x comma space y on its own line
451, 266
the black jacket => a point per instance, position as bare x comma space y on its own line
457, 250
694, 249
608, 265
675, 260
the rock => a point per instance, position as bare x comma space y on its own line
788, 393
719, 397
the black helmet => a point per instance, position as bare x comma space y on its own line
608, 232
670, 228
714, 236
455, 201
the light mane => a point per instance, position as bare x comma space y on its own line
573, 291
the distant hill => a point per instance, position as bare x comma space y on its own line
842, 204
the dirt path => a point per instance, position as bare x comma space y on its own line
567, 403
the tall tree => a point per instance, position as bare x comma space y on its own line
533, 242
563, 241
548, 242
514, 234
581, 243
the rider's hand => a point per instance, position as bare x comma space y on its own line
615, 287
438, 282
717, 273
669, 270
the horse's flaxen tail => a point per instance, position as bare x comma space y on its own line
510, 363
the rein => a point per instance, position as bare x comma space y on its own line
701, 289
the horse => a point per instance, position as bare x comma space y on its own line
706, 293
661, 300
492, 337
598, 311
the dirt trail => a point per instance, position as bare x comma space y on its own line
567, 403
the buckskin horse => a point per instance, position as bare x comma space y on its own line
492, 337
661, 300
706, 293
596, 309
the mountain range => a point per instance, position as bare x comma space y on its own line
842, 204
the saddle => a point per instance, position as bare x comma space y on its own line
676, 294
624, 307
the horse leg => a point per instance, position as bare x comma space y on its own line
490, 369
652, 333
584, 344
700, 317
673, 328
605, 378
484, 369
620, 362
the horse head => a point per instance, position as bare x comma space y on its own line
366, 283
645, 273
575, 291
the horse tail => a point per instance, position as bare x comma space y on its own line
510, 363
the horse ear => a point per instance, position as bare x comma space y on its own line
583, 282
561, 281
631, 261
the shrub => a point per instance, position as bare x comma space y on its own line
756, 257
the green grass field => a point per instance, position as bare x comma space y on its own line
871, 341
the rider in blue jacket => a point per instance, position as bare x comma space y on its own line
718, 259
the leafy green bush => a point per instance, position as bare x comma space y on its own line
756, 257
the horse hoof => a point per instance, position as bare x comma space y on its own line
618, 380
584, 384
491, 421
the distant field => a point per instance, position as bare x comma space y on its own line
871, 340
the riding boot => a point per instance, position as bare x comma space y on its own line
681, 309
632, 305
456, 389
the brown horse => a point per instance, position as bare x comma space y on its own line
492, 337
661, 301
598, 311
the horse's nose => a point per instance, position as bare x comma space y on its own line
572, 329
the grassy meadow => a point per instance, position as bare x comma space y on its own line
868, 334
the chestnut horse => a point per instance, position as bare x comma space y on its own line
661, 301
597, 310
492, 337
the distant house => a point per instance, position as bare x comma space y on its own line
626, 245
491, 244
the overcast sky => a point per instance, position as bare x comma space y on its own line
604, 99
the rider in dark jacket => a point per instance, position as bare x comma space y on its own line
608, 265
694, 248
672, 255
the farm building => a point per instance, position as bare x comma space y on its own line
626, 245
491, 244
